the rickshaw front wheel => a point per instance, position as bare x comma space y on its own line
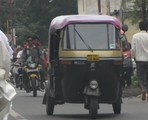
117, 106
49, 105
93, 108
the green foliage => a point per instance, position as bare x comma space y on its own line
134, 11
38, 14
134, 81
33, 17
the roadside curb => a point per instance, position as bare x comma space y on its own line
131, 91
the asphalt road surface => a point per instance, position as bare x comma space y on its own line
26, 107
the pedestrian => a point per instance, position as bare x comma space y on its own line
7, 91
140, 55
45, 62
6, 43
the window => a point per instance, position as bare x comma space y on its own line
90, 36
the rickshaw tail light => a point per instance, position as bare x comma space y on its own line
67, 62
118, 62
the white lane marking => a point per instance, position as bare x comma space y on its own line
16, 115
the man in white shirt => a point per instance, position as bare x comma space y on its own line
5, 41
7, 91
140, 54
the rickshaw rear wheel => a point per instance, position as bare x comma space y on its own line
117, 106
49, 105
93, 108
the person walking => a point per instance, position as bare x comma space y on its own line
7, 91
140, 55
5, 40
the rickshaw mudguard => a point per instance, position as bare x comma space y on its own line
51, 88
91, 92
45, 94
49, 91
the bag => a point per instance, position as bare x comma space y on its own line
7, 91
4, 113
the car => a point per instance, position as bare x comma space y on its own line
134, 63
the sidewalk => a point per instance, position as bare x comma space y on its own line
131, 91
11, 118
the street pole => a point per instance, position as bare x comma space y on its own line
108, 7
121, 15
143, 9
14, 37
99, 6
11, 19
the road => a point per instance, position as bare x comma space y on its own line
26, 107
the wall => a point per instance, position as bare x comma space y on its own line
88, 7
91, 6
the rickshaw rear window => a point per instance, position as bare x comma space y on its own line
90, 36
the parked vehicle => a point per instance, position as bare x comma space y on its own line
20, 77
85, 59
33, 76
14, 73
134, 63
134, 66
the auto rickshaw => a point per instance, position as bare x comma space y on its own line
85, 62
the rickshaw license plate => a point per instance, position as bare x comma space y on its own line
92, 57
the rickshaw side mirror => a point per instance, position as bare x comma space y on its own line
124, 27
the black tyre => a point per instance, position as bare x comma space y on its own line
27, 87
93, 108
21, 82
34, 88
17, 82
117, 106
49, 105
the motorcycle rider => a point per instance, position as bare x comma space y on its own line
35, 52
19, 66
16, 66
36, 41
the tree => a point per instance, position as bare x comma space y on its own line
4, 14
33, 17
136, 11
37, 15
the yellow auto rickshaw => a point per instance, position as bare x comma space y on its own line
85, 57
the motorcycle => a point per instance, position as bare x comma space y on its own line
33, 76
14, 73
20, 77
